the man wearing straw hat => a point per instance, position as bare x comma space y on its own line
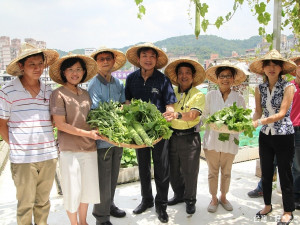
149, 84
185, 143
104, 88
25, 124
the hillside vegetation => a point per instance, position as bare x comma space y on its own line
202, 48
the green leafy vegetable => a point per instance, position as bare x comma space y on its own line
138, 123
235, 118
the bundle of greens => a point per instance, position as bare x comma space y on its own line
138, 123
235, 118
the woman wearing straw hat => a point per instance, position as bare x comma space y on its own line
220, 155
273, 99
104, 88
70, 106
149, 84
185, 143
25, 124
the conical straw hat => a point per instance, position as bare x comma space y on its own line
239, 77
257, 65
198, 78
28, 50
120, 58
90, 63
132, 55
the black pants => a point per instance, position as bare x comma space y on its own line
184, 155
283, 147
108, 172
161, 172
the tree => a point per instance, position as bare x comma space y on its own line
290, 15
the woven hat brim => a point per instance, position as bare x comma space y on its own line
257, 65
198, 78
132, 56
120, 58
90, 63
49, 54
239, 77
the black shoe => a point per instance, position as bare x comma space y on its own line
286, 223
255, 193
106, 223
259, 215
162, 214
116, 212
190, 208
297, 205
142, 207
175, 200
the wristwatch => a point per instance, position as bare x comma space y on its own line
179, 115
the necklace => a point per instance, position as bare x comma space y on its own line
27, 85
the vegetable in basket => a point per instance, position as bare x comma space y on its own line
235, 118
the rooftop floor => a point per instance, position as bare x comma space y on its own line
128, 197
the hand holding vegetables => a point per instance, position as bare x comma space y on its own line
235, 118
138, 123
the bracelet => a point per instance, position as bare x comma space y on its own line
259, 122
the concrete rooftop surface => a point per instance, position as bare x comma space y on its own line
128, 197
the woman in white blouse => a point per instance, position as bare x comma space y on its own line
220, 155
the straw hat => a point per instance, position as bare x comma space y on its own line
294, 59
27, 50
132, 55
198, 78
239, 77
120, 58
90, 63
257, 65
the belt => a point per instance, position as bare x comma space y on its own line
297, 128
184, 132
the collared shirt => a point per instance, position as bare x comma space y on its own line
187, 101
271, 103
102, 91
214, 102
295, 113
157, 89
31, 137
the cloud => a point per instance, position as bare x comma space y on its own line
73, 24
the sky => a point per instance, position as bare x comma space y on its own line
75, 24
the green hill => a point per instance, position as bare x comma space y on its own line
202, 48
205, 45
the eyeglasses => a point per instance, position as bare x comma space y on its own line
108, 59
225, 76
78, 70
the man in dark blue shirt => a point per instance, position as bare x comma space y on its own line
149, 84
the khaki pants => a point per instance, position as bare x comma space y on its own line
33, 183
215, 161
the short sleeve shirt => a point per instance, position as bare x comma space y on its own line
75, 108
191, 100
295, 113
102, 91
157, 89
30, 130
213, 103
271, 103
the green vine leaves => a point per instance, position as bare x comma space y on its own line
290, 15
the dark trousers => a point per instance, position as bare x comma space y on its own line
184, 155
281, 146
161, 172
296, 165
108, 172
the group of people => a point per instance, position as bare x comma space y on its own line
29, 109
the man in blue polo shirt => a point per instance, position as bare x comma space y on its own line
149, 84
104, 88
